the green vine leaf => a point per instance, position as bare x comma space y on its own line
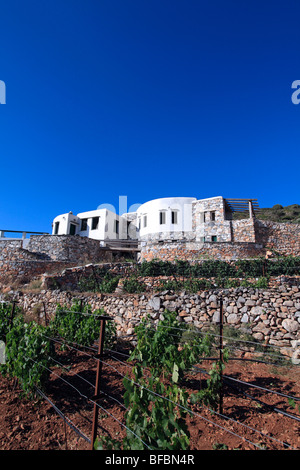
175, 375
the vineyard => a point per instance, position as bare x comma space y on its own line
71, 383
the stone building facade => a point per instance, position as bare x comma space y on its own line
167, 229
215, 234
178, 218
185, 225
213, 222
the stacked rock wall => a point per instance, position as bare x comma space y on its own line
280, 237
271, 315
246, 238
197, 251
46, 253
67, 248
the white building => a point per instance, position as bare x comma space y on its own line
100, 224
174, 218
166, 217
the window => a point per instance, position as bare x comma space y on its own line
56, 228
162, 218
116, 226
174, 215
83, 225
213, 216
95, 223
72, 229
214, 238
145, 221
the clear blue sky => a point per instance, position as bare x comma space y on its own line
146, 99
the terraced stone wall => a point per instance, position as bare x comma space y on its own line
271, 315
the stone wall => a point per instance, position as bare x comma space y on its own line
68, 248
20, 272
209, 220
69, 278
196, 251
250, 238
281, 237
271, 315
243, 231
46, 253
246, 238
11, 250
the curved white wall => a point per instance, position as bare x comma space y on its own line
64, 221
152, 209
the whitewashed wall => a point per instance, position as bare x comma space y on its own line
64, 221
152, 210
106, 228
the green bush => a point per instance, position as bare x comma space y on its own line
5, 318
153, 418
134, 286
30, 349
256, 267
81, 327
162, 348
157, 408
99, 282
28, 354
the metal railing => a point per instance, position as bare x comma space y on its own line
24, 234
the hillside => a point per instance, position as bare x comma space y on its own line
277, 213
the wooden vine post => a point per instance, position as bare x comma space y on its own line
221, 356
99, 357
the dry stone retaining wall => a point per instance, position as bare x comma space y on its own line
271, 315
197, 251
46, 253
247, 238
281, 237
70, 277
67, 248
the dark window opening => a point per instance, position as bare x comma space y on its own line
72, 229
56, 227
95, 223
116, 226
162, 218
213, 216
214, 238
174, 217
83, 225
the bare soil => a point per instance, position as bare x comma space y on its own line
272, 423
